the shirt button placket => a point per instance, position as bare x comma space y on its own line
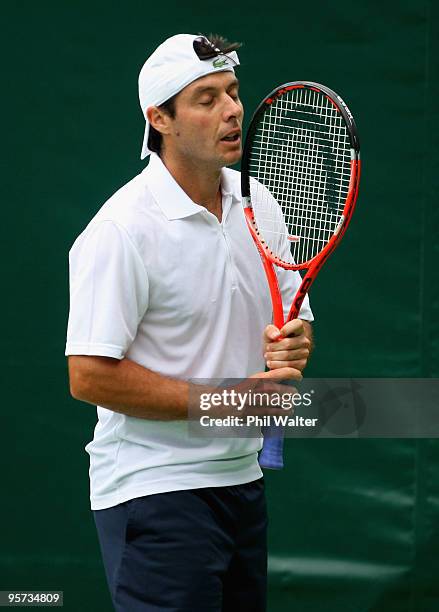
229, 257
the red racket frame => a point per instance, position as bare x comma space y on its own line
314, 265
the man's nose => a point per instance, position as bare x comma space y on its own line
232, 108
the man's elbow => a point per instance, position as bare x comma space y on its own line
79, 379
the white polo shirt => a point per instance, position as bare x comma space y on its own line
158, 279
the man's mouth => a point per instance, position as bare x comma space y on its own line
234, 137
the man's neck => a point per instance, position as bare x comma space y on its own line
202, 184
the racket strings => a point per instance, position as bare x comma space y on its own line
300, 159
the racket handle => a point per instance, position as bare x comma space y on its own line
271, 455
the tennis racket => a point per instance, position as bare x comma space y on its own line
300, 173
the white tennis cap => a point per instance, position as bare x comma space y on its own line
172, 66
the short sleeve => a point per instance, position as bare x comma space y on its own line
108, 292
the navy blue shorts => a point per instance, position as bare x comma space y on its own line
202, 550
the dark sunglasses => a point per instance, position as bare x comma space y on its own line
206, 50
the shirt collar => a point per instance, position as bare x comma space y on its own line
170, 197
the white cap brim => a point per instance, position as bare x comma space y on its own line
145, 150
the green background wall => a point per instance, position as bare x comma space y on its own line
354, 523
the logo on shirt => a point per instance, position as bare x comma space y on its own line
219, 63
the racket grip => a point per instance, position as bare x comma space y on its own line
271, 455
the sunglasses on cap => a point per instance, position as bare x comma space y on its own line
207, 50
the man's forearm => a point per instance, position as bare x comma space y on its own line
127, 387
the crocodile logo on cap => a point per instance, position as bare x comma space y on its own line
219, 63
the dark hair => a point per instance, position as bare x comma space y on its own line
205, 47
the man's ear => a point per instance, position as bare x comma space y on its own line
159, 120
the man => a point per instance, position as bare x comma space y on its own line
166, 285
